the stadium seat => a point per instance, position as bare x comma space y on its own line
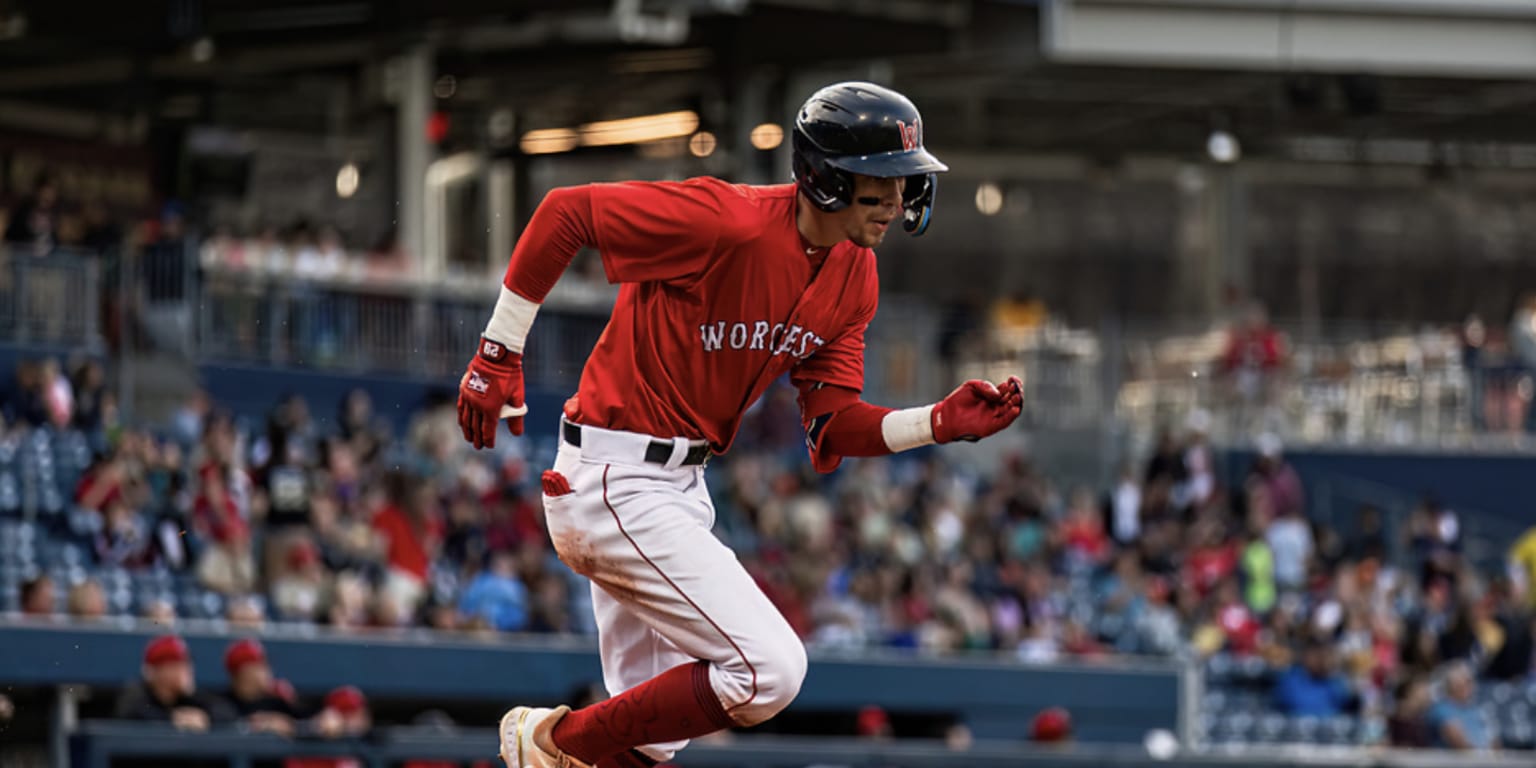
1233, 729
1302, 729
1340, 730
1272, 728
82, 522
10, 492
200, 603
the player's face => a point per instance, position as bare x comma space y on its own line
876, 208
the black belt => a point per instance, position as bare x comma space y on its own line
658, 452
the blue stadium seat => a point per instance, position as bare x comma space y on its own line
1272, 728
1252, 702
1304, 730
82, 522
1340, 730
1218, 668
10, 492
200, 604
1234, 728
73, 555
144, 598
72, 449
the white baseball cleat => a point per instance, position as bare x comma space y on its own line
527, 739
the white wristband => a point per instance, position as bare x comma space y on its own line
511, 320
907, 429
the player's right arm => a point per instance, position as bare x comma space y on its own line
644, 231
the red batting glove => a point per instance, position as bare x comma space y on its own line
977, 409
491, 390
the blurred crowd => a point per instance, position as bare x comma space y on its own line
339, 521
303, 250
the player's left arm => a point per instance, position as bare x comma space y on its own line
839, 423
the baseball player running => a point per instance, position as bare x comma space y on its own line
724, 288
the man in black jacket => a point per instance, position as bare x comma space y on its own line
168, 691
265, 703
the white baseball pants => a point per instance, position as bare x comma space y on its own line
665, 591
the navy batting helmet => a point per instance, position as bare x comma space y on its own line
867, 129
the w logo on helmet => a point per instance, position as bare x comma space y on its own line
911, 135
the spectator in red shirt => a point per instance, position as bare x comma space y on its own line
101, 485
1212, 560
221, 513
1082, 532
1254, 345
413, 532
1237, 623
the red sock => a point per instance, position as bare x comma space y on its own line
674, 705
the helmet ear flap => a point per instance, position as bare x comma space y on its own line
827, 187
917, 202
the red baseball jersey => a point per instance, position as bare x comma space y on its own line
720, 296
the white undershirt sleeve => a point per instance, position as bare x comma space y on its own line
511, 320
907, 429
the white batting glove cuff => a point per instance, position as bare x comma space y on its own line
511, 320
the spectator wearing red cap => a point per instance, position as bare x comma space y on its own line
345, 714
299, 587
265, 703
874, 723
1051, 726
168, 691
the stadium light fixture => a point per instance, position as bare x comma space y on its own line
702, 144
637, 130
549, 140
767, 136
989, 198
607, 133
347, 180
1223, 147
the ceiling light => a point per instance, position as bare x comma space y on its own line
702, 144
202, 50
767, 136
635, 130
989, 198
347, 181
1223, 147
549, 140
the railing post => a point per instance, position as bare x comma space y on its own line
1191, 693
127, 288
66, 716
23, 303
277, 322
91, 337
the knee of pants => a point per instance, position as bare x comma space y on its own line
774, 685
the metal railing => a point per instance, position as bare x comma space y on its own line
96, 743
428, 331
373, 327
1380, 391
